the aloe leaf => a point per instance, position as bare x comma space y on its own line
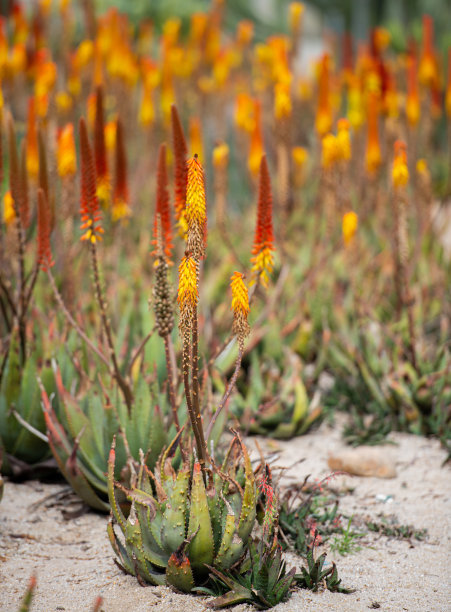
179, 573
201, 547
174, 516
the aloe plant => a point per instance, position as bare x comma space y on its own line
263, 582
179, 526
81, 437
20, 406
277, 403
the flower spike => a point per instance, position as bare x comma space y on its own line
240, 307
45, 260
263, 260
121, 208
162, 205
187, 292
196, 211
180, 157
103, 180
89, 205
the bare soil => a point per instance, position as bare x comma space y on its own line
73, 561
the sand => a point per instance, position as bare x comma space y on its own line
73, 560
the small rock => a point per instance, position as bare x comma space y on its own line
363, 461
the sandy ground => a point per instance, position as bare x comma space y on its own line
73, 559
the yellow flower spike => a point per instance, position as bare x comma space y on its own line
300, 156
422, 167
66, 155
9, 213
343, 140
282, 101
83, 54
295, 15
63, 101
329, 151
196, 210
240, 307
221, 155
110, 135
146, 110
349, 227
187, 295
244, 33
400, 171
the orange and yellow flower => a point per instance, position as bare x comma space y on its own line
240, 307
349, 227
89, 206
263, 259
400, 170
196, 210
187, 295
66, 155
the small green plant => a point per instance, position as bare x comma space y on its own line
314, 575
304, 510
390, 527
262, 582
346, 542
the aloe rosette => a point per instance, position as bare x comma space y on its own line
80, 436
179, 527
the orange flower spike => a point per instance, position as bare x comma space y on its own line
45, 260
263, 260
196, 210
323, 121
400, 171
103, 178
329, 151
413, 99
373, 150
244, 33
121, 209
343, 140
282, 100
240, 307
349, 227
32, 141
66, 155
256, 149
428, 70
180, 169
195, 137
162, 205
89, 205
187, 294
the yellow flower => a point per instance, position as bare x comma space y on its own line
329, 153
84, 54
240, 307
63, 101
187, 294
300, 156
220, 155
196, 210
343, 140
110, 135
422, 166
400, 171
9, 214
240, 297
263, 264
296, 10
66, 156
282, 100
120, 211
349, 227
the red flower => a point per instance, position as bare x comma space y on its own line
162, 204
180, 169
